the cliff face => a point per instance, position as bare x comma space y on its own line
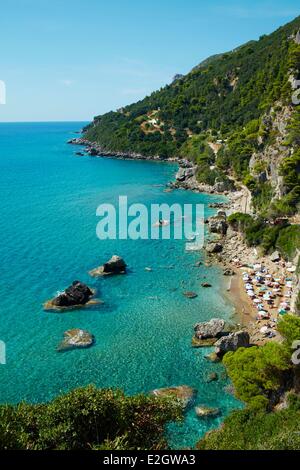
271, 155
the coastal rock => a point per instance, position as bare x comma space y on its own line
184, 174
212, 357
190, 294
275, 256
218, 225
77, 295
206, 284
116, 265
205, 412
212, 377
214, 248
74, 339
183, 394
214, 328
203, 343
231, 342
228, 272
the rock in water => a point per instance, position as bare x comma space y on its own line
183, 394
76, 338
190, 294
205, 412
232, 342
214, 328
206, 284
77, 295
116, 265
212, 377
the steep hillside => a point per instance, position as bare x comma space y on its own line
232, 115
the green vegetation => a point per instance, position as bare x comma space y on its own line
259, 232
226, 95
260, 375
88, 418
258, 371
251, 429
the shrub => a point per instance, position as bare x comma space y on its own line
86, 418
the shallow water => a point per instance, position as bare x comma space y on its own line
143, 330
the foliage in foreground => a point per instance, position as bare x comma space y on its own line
258, 373
88, 418
251, 430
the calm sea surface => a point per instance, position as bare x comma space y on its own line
48, 239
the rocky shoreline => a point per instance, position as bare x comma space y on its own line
95, 150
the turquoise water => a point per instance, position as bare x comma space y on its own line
143, 330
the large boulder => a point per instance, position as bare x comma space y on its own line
74, 339
275, 256
183, 394
214, 328
116, 265
77, 295
231, 342
218, 225
214, 248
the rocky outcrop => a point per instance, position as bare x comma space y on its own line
182, 394
212, 377
275, 256
231, 342
116, 265
184, 173
77, 295
214, 248
95, 150
206, 412
213, 328
218, 225
297, 37
76, 339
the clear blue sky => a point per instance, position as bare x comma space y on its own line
73, 59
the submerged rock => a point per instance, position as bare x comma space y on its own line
212, 357
206, 284
77, 295
116, 265
76, 338
205, 412
190, 294
183, 394
240, 339
212, 377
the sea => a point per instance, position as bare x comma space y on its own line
143, 328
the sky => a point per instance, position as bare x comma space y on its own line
69, 60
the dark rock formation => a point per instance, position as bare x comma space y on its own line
218, 224
214, 248
78, 294
240, 339
116, 265
206, 284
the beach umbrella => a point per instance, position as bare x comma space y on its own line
257, 301
251, 293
